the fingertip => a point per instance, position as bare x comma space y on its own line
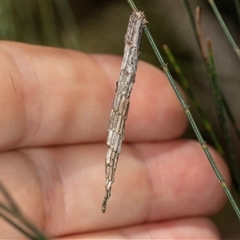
180, 171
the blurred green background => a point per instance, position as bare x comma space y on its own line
99, 26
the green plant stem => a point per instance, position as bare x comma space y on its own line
17, 226
15, 212
190, 118
225, 28
219, 105
211, 70
197, 29
13, 207
192, 97
192, 20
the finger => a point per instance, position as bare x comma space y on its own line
193, 228
155, 113
53, 96
154, 182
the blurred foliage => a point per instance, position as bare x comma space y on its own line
99, 26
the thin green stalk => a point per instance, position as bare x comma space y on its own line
237, 4
197, 29
13, 207
18, 217
190, 118
33, 228
184, 82
15, 212
219, 105
17, 226
212, 76
192, 20
224, 27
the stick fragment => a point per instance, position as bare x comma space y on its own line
120, 107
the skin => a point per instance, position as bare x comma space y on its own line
55, 107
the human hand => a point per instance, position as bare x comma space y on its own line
55, 107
